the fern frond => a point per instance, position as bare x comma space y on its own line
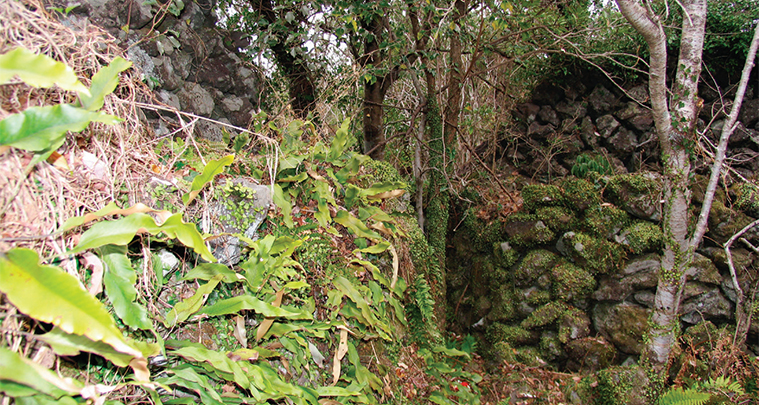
678, 396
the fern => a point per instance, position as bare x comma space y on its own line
678, 396
423, 299
723, 384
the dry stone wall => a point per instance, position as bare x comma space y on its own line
191, 65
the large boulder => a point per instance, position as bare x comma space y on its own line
622, 324
589, 354
711, 305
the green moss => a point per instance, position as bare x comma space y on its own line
573, 318
530, 356
559, 219
513, 335
534, 264
597, 255
603, 220
544, 315
503, 299
550, 347
504, 352
747, 198
572, 283
541, 195
505, 257
620, 385
638, 183
580, 194
526, 230
643, 236
537, 297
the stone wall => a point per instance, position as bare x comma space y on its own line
592, 115
571, 279
190, 64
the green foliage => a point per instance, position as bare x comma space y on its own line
719, 390
49, 294
210, 171
513, 335
544, 315
571, 283
604, 220
643, 236
586, 164
43, 129
541, 195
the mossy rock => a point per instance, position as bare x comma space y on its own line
642, 237
530, 356
505, 257
638, 193
574, 324
503, 300
579, 194
541, 195
571, 283
503, 351
559, 219
536, 297
747, 198
551, 347
725, 222
526, 230
599, 256
513, 335
589, 354
535, 263
481, 235
621, 385
544, 315
605, 220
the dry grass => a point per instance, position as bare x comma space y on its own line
33, 206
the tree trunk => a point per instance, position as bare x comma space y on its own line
302, 90
676, 133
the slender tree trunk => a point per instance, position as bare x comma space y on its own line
374, 91
302, 90
676, 132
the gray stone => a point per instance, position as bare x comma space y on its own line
194, 98
622, 324
649, 263
703, 270
572, 110
165, 69
645, 298
225, 211
708, 306
169, 262
589, 354
749, 114
602, 100
623, 141
168, 98
536, 129
606, 125
588, 133
639, 93
231, 104
549, 116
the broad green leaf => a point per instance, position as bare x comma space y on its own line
38, 71
44, 128
386, 189
49, 294
22, 371
119, 280
223, 365
297, 178
451, 352
355, 225
285, 246
110, 209
122, 231
247, 302
282, 201
184, 309
345, 286
335, 392
66, 344
213, 168
339, 142
103, 83
375, 249
205, 389
206, 271
45, 400
352, 194
375, 213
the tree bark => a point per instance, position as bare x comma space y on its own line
675, 129
302, 91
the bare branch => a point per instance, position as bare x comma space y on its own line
721, 152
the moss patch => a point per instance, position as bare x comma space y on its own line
642, 237
544, 315
572, 283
